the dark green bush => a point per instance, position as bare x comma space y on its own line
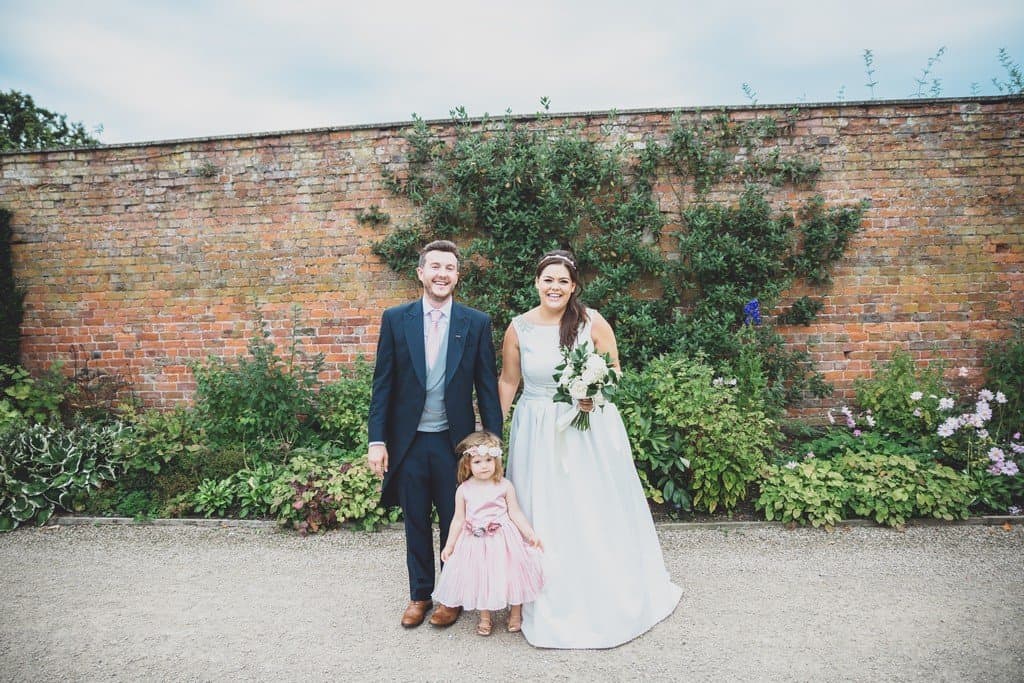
692, 439
344, 406
263, 403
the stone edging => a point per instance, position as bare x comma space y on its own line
77, 520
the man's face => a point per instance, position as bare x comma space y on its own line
439, 275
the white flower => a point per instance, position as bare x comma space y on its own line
945, 404
846, 411
996, 454
791, 465
591, 376
732, 382
916, 396
597, 365
810, 454
870, 420
947, 428
1000, 397
986, 395
962, 372
578, 389
831, 419
983, 410
917, 412
566, 377
982, 433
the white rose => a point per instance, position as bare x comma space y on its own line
591, 376
597, 365
578, 389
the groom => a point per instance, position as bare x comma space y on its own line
431, 354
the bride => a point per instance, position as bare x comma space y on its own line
605, 581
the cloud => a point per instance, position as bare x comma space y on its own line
161, 70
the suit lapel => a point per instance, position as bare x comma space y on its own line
414, 338
457, 333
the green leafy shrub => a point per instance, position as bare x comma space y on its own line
214, 498
1004, 363
892, 489
809, 492
889, 396
321, 488
35, 399
263, 403
690, 433
45, 467
344, 406
889, 489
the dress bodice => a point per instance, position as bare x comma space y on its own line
539, 353
485, 501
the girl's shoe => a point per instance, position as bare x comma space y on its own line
483, 627
515, 621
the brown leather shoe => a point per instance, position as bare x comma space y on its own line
444, 615
415, 613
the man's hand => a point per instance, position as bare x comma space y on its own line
377, 459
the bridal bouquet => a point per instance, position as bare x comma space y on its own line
584, 373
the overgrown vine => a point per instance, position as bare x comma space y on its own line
507, 190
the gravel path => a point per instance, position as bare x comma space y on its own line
147, 603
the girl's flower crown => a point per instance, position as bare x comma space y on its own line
482, 450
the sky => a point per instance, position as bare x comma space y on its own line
149, 70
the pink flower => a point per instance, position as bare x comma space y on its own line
856, 432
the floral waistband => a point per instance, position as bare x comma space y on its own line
488, 529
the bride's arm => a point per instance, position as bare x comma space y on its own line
511, 373
604, 338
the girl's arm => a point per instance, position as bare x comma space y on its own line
515, 513
511, 372
455, 530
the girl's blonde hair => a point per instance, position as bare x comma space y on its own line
467, 448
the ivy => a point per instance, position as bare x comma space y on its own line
509, 189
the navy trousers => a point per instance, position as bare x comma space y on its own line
426, 478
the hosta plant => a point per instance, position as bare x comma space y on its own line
44, 467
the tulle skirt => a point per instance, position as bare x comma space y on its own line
491, 571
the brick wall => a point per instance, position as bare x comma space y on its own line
141, 258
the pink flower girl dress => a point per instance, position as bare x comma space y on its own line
492, 565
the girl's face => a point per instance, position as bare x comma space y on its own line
482, 467
555, 286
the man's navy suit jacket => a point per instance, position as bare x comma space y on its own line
399, 381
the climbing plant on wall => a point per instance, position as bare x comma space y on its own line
509, 189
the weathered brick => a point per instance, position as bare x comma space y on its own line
155, 256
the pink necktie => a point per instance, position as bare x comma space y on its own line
433, 336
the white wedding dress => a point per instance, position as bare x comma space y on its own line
605, 581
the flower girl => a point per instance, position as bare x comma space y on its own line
491, 557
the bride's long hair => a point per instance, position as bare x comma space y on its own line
575, 312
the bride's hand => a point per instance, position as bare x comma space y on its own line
586, 405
